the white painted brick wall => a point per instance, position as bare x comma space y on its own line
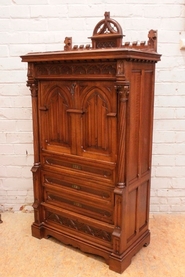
41, 25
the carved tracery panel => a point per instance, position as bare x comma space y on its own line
97, 121
54, 118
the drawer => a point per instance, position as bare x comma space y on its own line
78, 186
80, 205
77, 166
76, 225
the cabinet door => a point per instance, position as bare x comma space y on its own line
99, 120
55, 99
79, 118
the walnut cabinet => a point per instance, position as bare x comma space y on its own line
92, 125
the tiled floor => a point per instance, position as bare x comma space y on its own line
21, 255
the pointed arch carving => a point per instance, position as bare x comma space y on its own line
96, 127
55, 119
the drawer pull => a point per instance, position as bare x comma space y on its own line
76, 166
77, 204
76, 187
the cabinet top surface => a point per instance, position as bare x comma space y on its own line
98, 54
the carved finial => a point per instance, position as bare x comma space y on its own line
107, 15
152, 34
152, 42
68, 44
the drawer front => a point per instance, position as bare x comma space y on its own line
86, 188
78, 226
79, 205
96, 171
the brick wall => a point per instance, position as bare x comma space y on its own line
41, 25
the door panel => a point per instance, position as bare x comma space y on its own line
55, 121
99, 121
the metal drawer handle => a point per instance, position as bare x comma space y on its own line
76, 187
77, 204
77, 166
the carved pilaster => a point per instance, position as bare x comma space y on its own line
118, 240
123, 92
34, 94
33, 85
122, 88
120, 69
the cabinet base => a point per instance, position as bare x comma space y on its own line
117, 263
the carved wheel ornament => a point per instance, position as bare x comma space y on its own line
107, 25
107, 33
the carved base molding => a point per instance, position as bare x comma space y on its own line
78, 226
117, 263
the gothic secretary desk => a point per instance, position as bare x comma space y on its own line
92, 122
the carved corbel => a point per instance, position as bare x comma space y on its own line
123, 91
31, 82
33, 85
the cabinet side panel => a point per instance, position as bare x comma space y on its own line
131, 214
146, 120
143, 205
134, 111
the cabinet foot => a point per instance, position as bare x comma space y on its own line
1, 219
120, 263
37, 231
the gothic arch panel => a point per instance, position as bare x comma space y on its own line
55, 120
96, 125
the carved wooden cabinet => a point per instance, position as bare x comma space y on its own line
92, 123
